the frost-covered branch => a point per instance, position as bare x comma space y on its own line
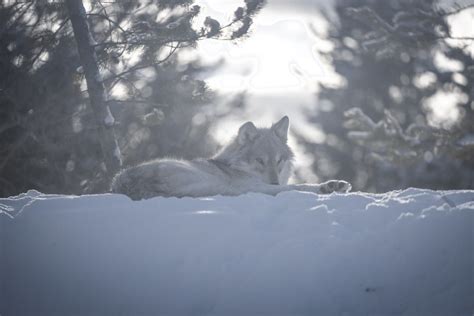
388, 140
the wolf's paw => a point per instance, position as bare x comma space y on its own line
335, 186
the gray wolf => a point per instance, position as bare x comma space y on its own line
256, 160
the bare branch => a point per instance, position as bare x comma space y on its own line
470, 6
460, 38
143, 66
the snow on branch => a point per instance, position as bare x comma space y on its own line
388, 140
385, 138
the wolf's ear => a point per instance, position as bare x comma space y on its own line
247, 133
280, 128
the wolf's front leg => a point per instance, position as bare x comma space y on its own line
327, 187
322, 188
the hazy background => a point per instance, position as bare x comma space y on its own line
310, 60
282, 68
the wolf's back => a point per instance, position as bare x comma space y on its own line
132, 182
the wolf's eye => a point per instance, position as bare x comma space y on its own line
280, 160
260, 161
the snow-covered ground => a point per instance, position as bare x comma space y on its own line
401, 253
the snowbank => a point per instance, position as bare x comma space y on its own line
401, 253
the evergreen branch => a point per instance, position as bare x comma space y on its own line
17, 145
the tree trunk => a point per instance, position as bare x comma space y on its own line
95, 87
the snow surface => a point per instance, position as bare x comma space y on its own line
401, 253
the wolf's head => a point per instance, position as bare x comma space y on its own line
262, 152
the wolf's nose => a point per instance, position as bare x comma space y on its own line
275, 183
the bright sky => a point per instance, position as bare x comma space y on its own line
280, 55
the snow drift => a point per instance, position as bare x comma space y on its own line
401, 253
